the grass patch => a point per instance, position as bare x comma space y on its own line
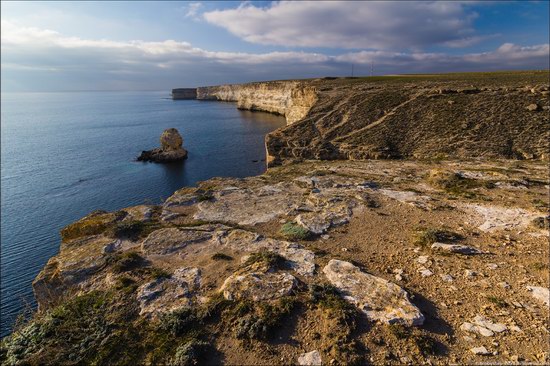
132, 230
190, 353
259, 320
179, 322
126, 284
426, 236
399, 331
158, 273
497, 301
221, 257
292, 231
455, 184
94, 224
123, 262
425, 344
540, 204
538, 266
540, 222
270, 259
94, 328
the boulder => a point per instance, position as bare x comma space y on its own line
258, 286
378, 298
166, 294
170, 148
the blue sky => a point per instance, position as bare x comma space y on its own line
126, 45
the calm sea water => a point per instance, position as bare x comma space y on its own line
66, 154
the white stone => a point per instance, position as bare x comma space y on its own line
425, 272
423, 259
484, 322
455, 248
473, 328
480, 351
542, 294
378, 298
312, 358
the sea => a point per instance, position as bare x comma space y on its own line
66, 154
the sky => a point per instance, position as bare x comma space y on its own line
70, 46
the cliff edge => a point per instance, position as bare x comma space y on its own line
492, 115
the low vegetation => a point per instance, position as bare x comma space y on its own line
293, 231
427, 236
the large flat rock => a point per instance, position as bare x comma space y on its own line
378, 298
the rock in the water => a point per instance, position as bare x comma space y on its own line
378, 298
170, 148
166, 294
456, 248
312, 358
258, 286
540, 293
171, 140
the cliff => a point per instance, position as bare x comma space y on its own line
291, 99
184, 93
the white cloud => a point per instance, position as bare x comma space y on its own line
60, 62
192, 10
350, 24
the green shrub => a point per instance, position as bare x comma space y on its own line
222, 257
126, 261
292, 231
426, 237
191, 353
93, 224
270, 259
178, 322
257, 321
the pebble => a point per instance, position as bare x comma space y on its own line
492, 265
446, 277
505, 285
469, 273
423, 259
425, 272
480, 351
325, 237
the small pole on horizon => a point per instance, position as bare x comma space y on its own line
371, 68
352, 69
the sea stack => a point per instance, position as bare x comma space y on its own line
170, 148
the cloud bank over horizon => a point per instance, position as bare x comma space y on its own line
394, 37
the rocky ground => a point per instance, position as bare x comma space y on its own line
340, 262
